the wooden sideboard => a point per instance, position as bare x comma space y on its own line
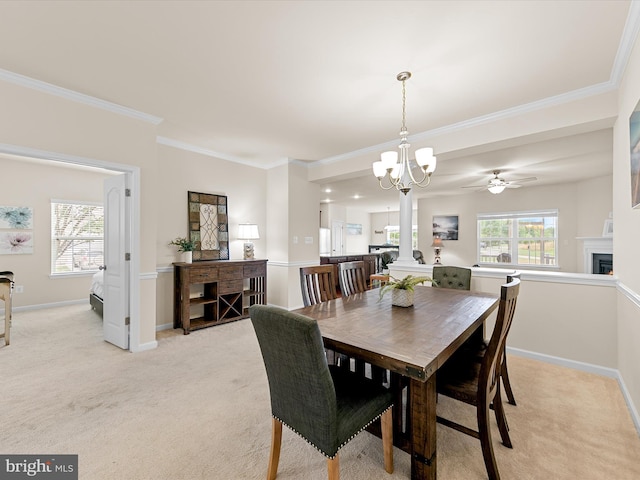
210, 293
371, 263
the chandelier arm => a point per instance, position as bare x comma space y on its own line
389, 187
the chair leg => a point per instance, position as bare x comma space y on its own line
501, 419
333, 467
485, 441
276, 442
387, 440
504, 373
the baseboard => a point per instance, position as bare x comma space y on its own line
49, 305
164, 326
585, 367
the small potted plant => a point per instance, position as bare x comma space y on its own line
402, 290
184, 245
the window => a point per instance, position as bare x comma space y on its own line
393, 236
77, 236
519, 238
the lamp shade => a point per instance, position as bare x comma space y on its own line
437, 242
248, 231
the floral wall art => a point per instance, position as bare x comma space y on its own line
16, 234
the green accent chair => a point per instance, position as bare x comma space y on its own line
458, 278
325, 405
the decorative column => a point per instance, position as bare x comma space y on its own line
405, 255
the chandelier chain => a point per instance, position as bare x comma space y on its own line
404, 108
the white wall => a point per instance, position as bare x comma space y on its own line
582, 209
626, 234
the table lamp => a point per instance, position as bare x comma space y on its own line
437, 247
248, 232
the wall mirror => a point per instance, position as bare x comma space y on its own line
208, 226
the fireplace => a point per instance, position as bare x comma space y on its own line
602, 263
598, 255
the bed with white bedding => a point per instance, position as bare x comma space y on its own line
96, 294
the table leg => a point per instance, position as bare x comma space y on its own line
423, 429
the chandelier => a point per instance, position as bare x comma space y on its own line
399, 173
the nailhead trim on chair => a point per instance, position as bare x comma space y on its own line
343, 444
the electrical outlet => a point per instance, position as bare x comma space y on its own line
18, 288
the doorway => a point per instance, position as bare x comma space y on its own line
133, 215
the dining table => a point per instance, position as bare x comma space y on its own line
411, 343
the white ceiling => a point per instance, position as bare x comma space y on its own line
264, 82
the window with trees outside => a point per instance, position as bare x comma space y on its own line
77, 237
519, 238
393, 236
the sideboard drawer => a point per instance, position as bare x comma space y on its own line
230, 286
203, 275
259, 270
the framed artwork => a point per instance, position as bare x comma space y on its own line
16, 217
634, 138
607, 230
445, 227
354, 229
16, 242
16, 236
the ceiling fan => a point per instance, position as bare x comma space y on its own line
497, 185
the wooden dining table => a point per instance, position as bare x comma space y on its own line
412, 343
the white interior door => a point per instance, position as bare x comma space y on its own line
337, 232
116, 274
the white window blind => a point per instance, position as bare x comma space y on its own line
77, 236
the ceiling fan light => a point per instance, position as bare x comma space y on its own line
495, 189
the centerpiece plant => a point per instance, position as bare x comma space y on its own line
402, 290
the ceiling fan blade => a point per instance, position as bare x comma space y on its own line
528, 179
475, 186
512, 185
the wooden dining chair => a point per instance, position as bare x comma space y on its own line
464, 379
317, 284
504, 371
325, 405
352, 277
6, 289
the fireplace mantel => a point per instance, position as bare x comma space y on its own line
595, 245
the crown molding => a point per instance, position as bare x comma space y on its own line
170, 142
67, 94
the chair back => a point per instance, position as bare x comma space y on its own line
388, 257
458, 278
504, 258
511, 276
492, 359
317, 284
300, 384
353, 278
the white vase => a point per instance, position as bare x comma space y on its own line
401, 298
187, 257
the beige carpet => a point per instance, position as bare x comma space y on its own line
197, 407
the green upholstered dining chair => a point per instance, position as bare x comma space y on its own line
465, 379
325, 405
458, 278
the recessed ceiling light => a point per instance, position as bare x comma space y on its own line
356, 196
327, 190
